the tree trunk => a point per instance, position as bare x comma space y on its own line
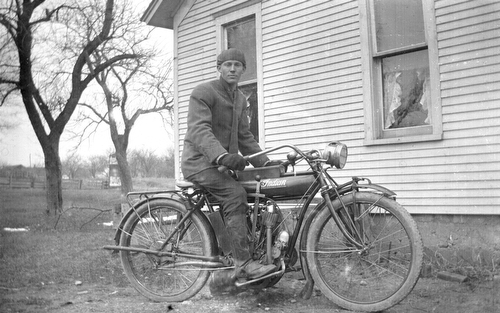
125, 176
53, 175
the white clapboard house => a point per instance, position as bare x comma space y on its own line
411, 86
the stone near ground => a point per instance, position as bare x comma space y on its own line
452, 277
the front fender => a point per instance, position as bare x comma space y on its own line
385, 191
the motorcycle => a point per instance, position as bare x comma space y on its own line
353, 240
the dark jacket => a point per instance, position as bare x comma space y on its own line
209, 123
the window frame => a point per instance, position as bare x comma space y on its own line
229, 16
375, 134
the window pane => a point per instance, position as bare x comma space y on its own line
241, 35
399, 23
406, 92
250, 92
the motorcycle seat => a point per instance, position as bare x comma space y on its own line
184, 184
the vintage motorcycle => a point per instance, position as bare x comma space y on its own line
353, 240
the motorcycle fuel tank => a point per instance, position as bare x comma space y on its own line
286, 186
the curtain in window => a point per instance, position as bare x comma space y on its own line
406, 98
392, 97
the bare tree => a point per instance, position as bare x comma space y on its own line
167, 164
71, 165
131, 89
97, 164
69, 33
145, 162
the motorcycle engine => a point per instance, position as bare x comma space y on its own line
269, 221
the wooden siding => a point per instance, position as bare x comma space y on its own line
313, 94
469, 41
312, 73
459, 174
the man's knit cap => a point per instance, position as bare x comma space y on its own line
231, 54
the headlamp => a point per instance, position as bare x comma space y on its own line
335, 154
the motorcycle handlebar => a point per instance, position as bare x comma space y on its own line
223, 168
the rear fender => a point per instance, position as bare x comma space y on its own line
132, 210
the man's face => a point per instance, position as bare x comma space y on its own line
231, 71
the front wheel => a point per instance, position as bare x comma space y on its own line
381, 272
166, 278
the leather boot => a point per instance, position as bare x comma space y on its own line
237, 229
245, 267
253, 269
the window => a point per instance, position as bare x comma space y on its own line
401, 76
240, 34
240, 29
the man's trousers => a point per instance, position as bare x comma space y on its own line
233, 199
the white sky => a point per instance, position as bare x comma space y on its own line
19, 145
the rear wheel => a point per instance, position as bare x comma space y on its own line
166, 278
377, 275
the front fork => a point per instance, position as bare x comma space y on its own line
352, 234
343, 222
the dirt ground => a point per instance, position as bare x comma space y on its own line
430, 295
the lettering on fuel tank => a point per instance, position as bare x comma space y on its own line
273, 183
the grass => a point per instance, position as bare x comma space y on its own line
57, 249
147, 184
63, 248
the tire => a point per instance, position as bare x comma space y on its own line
371, 279
159, 278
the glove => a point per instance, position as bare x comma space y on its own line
233, 161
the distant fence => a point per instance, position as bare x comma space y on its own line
27, 183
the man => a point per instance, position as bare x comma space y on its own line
218, 128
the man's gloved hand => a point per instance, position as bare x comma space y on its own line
233, 161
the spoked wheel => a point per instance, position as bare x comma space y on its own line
166, 278
381, 272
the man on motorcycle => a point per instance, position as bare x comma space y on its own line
218, 128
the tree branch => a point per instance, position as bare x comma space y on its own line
77, 84
101, 67
99, 115
47, 115
48, 13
